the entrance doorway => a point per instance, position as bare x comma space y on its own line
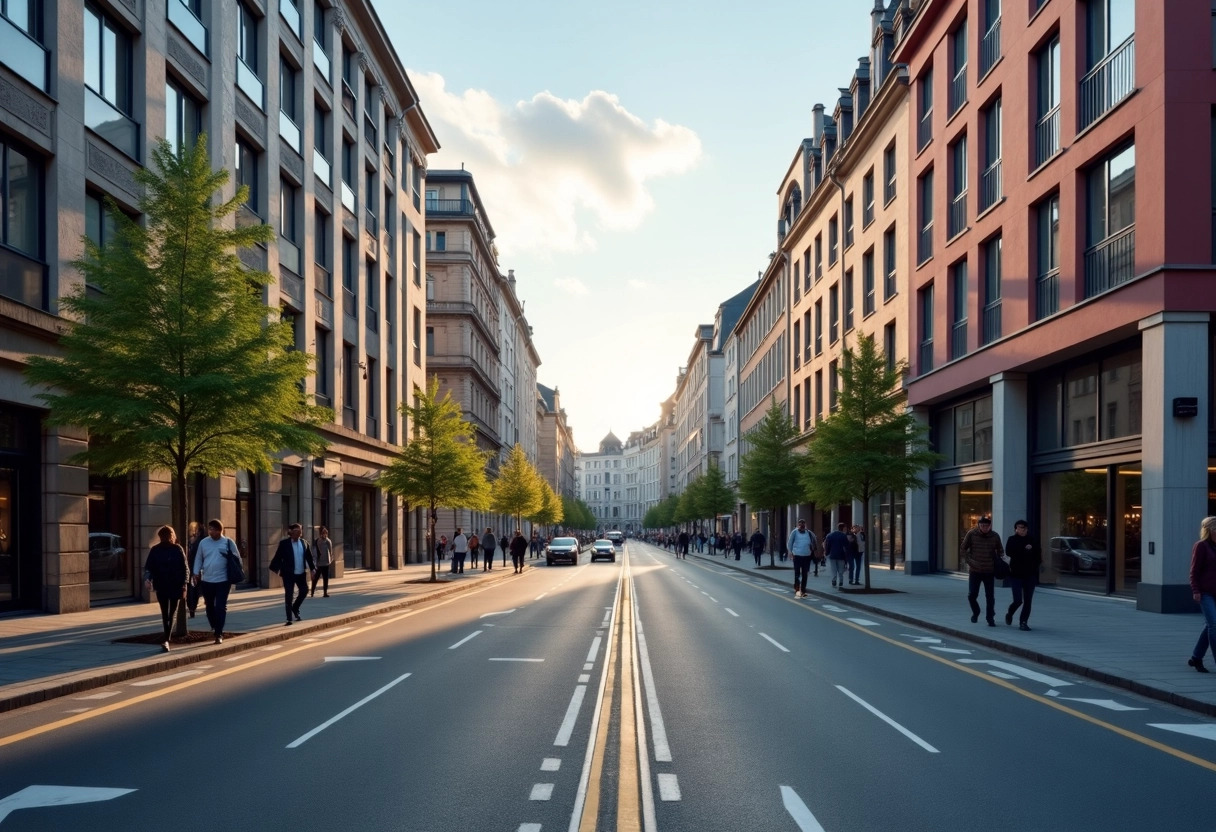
358, 549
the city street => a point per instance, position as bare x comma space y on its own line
523, 705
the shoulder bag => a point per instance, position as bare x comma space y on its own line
236, 571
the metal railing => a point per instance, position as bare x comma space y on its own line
990, 47
1108, 83
1047, 136
957, 218
450, 206
348, 99
113, 125
924, 362
370, 223
369, 131
320, 59
958, 339
183, 17
924, 130
958, 89
321, 168
924, 243
23, 278
1110, 262
992, 321
350, 417
991, 189
350, 304
1047, 295
249, 82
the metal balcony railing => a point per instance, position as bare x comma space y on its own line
991, 189
348, 99
1108, 83
1047, 136
1110, 262
1047, 295
350, 417
924, 130
924, 361
990, 47
958, 339
992, 321
958, 89
924, 243
957, 219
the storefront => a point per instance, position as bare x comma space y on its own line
20, 541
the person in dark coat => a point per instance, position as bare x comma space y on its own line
504, 544
166, 572
1203, 589
293, 562
757, 542
488, 544
980, 548
519, 548
1025, 555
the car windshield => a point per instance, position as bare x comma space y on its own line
563, 541
603, 543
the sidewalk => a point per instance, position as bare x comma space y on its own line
46, 656
1098, 637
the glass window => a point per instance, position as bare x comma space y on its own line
1049, 234
99, 225
107, 59
247, 174
833, 240
288, 98
867, 282
287, 210
1049, 77
1121, 395
964, 435
23, 220
1081, 405
888, 168
26, 15
992, 270
1109, 23
1112, 195
247, 37
1048, 401
183, 117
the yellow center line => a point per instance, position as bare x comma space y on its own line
591, 806
628, 806
993, 680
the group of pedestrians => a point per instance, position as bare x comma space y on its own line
985, 556
481, 549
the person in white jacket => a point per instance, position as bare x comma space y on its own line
801, 545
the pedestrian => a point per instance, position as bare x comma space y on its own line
474, 549
211, 575
736, 543
701, 540
488, 544
854, 554
503, 543
836, 547
860, 534
534, 544
1203, 590
460, 550
980, 548
323, 548
682, 546
519, 547
293, 563
801, 545
442, 547
1024, 555
757, 542
166, 572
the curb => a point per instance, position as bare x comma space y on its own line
23, 694
1147, 691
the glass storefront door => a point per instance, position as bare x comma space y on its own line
357, 551
1073, 508
959, 508
246, 528
10, 564
113, 556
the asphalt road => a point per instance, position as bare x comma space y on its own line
520, 706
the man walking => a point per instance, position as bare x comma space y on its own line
802, 548
1025, 556
460, 548
211, 574
519, 548
859, 560
757, 542
980, 548
488, 544
682, 545
293, 562
836, 546
736, 543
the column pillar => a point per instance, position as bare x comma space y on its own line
919, 536
65, 526
1173, 491
1010, 451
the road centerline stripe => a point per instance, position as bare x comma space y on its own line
469, 637
774, 642
306, 737
798, 811
901, 729
567, 727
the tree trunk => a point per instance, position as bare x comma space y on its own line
772, 526
181, 526
432, 541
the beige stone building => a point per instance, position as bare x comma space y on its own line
309, 105
555, 442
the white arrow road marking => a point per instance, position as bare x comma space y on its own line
516, 660
1000, 674
103, 695
306, 737
669, 788
1205, 731
1025, 673
160, 680
951, 650
834, 608
776, 644
502, 612
922, 639
567, 728
864, 622
1109, 704
541, 791
470, 637
33, 797
551, 764
798, 811
901, 729
352, 658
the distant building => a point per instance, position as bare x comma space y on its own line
600, 481
555, 440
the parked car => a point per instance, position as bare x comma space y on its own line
603, 549
562, 548
107, 557
1078, 554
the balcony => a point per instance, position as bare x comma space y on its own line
322, 168
924, 243
290, 133
291, 15
924, 361
1047, 136
350, 304
350, 417
924, 130
289, 256
958, 339
372, 319
990, 47
463, 207
348, 99
348, 197
369, 132
991, 189
370, 223
250, 84
107, 121
958, 89
957, 218
1110, 262
1108, 83
992, 322
183, 19
1047, 295
323, 279
22, 278
320, 60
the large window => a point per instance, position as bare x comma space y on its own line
924, 196
833, 240
958, 309
22, 227
109, 99
888, 263
992, 291
958, 187
248, 55
289, 104
991, 188
1111, 197
183, 116
925, 309
187, 15
867, 282
1092, 401
247, 174
1047, 127
924, 130
958, 67
888, 173
21, 40
1047, 226
1110, 57
847, 290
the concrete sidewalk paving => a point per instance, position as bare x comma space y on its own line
46, 656
1099, 637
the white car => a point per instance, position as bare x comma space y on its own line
603, 549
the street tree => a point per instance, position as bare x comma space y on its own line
550, 512
576, 514
769, 472
441, 465
688, 508
714, 496
871, 444
517, 489
176, 362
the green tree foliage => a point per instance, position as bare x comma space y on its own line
441, 466
551, 511
688, 507
714, 496
517, 490
871, 444
177, 363
576, 515
769, 472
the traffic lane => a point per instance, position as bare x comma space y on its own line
894, 699
267, 729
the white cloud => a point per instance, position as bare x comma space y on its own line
634, 283
554, 171
571, 285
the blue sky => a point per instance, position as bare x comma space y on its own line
629, 155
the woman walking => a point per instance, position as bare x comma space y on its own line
323, 550
1203, 590
166, 572
488, 544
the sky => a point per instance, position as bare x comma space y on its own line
629, 156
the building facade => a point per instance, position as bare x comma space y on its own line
337, 171
600, 481
555, 442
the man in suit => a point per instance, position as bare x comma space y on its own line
294, 564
